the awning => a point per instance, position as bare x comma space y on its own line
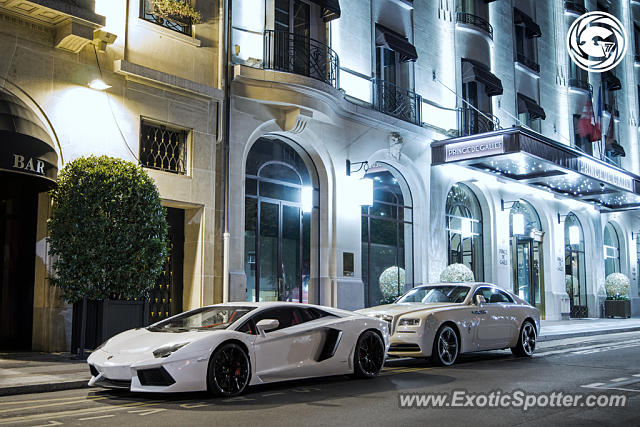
531, 28
524, 156
26, 149
616, 149
473, 70
530, 106
330, 9
396, 42
611, 81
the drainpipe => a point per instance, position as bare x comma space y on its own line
228, 70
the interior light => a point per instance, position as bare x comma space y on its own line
365, 193
98, 84
307, 199
465, 228
518, 224
574, 235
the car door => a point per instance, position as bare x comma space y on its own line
289, 351
495, 324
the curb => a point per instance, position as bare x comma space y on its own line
556, 337
43, 388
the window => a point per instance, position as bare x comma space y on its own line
286, 317
529, 121
163, 148
441, 293
575, 276
581, 142
525, 32
493, 295
464, 230
611, 250
475, 7
387, 238
176, 23
578, 77
636, 41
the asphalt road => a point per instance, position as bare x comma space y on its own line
602, 365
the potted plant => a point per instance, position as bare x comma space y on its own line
107, 236
456, 273
392, 282
175, 10
617, 302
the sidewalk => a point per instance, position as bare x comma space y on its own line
22, 373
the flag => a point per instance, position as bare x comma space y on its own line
587, 124
609, 139
597, 130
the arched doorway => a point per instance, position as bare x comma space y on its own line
611, 250
464, 229
28, 166
575, 277
281, 234
526, 236
387, 237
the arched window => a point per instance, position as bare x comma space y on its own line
281, 244
611, 250
526, 235
464, 229
575, 277
387, 237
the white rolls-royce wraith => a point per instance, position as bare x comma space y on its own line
443, 320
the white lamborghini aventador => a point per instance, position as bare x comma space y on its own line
226, 347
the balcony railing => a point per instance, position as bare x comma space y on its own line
294, 53
476, 21
397, 102
575, 7
180, 24
527, 62
580, 84
471, 122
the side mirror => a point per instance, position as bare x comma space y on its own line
480, 301
266, 325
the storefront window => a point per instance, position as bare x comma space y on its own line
387, 237
526, 253
464, 230
611, 250
280, 204
575, 280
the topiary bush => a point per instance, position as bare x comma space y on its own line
617, 286
456, 273
391, 282
107, 231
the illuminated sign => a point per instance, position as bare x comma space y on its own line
476, 148
604, 173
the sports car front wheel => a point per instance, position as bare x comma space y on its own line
369, 355
526, 341
229, 370
445, 347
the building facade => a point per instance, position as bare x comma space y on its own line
371, 144
161, 110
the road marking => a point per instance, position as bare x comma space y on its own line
193, 405
49, 404
594, 385
591, 348
145, 412
73, 413
636, 375
48, 400
272, 394
95, 418
51, 423
617, 380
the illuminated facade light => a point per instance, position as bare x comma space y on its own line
307, 199
98, 84
518, 224
574, 235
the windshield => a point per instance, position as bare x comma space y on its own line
206, 318
426, 294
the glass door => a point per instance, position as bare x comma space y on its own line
576, 286
527, 272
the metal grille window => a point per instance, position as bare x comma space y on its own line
163, 148
180, 24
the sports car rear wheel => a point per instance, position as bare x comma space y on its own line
369, 355
229, 370
445, 347
526, 341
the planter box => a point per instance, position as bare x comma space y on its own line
106, 318
615, 308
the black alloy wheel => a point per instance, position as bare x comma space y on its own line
526, 341
369, 355
229, 370
445, 347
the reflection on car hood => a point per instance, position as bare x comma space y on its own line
404, 308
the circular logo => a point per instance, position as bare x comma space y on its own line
597, 41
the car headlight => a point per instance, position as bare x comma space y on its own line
409, 322
168, 349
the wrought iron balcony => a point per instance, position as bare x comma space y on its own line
395, 101
180, 24
476, 21
527, 62
575, 7
471, 122
580, 84
297, 54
